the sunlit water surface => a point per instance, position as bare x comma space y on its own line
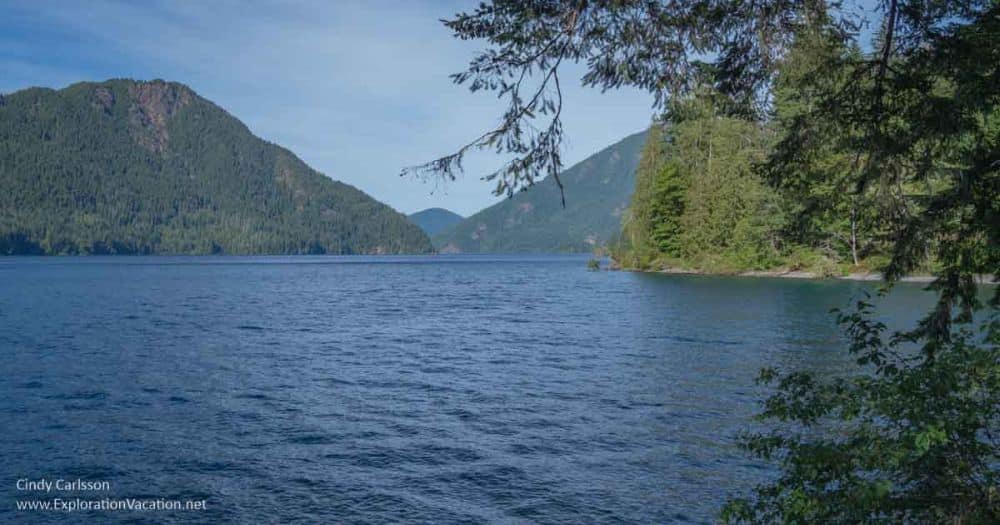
441, 389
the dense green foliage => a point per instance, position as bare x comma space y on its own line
435, 220
915, 436
829, 212
893, 152
698, 203
597, 192
149, 167
911, 440
704, 196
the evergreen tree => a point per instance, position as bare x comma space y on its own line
815, 161
645, 213
699, 203
668, 195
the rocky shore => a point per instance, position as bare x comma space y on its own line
796, 274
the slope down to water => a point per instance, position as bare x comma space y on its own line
131, 167
598, 190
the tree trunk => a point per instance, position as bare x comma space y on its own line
854, 233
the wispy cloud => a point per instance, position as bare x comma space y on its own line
358, 90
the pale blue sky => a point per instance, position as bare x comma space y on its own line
357, 89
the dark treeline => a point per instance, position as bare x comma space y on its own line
719, 192
124, 167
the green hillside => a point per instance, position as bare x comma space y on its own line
127, 167
597, 193
435, 220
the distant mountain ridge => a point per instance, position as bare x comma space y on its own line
136, 167
434, 220
598, 191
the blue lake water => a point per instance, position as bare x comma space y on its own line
441, 389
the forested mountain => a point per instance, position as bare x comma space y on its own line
597, 192
434, 220
128, 167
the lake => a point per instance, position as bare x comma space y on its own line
438, 389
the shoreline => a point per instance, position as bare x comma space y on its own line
798, 274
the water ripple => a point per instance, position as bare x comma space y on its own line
374, 390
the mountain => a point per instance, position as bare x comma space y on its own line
433, 220
598, 191
129, 167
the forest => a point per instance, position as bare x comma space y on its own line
719, 193
127, 167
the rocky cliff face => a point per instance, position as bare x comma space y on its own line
151, 106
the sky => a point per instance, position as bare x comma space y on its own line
357, 89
